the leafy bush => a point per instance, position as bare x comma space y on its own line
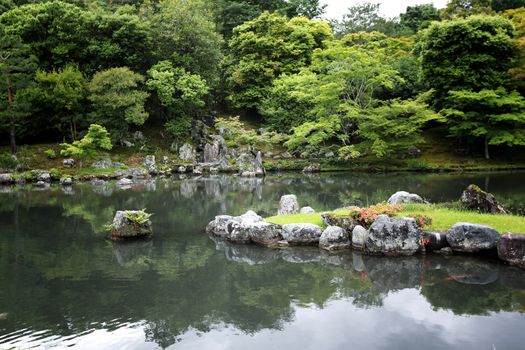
7, 161
418, 164
96, 140
179, 127
55, 174
140, 217
366, 216
51, 154
237, 134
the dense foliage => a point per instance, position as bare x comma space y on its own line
364, 86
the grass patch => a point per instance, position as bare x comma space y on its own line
313, 218
443, 217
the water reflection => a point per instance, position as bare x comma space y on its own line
63, 284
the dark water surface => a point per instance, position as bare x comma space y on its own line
62, 284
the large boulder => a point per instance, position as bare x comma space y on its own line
288, 205
471, 238
6, 179
221, 226
302, 234
334, 238
104, 163
66, 181
188, 153
215, 151
511, 249
359, 234
312, 168
68, 162
248, 162
130, 224
265, 234
237, 229
393, 236
345, 221
44, 176
403, 197
307, 210
475, 199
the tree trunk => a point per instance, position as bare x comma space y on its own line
487, 155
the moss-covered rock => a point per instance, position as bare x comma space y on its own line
131, 224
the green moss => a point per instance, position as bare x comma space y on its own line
313, 218
443, 217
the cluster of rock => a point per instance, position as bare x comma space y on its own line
386, 235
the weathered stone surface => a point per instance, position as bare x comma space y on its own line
188, 153
435, 240
393, 236
104, 163
215, 151
66, 181
302, 234
312, 168
258, 166
124, 228
334, 238
359, 234
138, 136
265, 234
471, 238
236, 229
307, 210
220, 226
403, 197
286, 155
44, 176
149, 163
181, 169
511, 249
68, 162
288, 205
342, 221
476, 199
6, 178
197, 170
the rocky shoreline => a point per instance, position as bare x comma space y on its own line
389, 236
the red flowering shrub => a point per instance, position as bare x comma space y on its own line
366, 216
423, 221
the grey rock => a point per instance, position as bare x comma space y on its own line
118, 164
215, 152
345, 222
68, 162
220, 226
312, 168
125, 183
124, 228
181, 169
258, 166
248, 174
149, 163
214, 170
307, 210
334, 238
6, 178
511, 249
236, 229
138, 173
302, 234
138, 136
265, 234
288, 205
41, 184
359, 234
128, 144
44, 176
329, 154
286, 155
476, 199
188, 153
413, 151
66, 181
471, 238
393, 236
104, 163
197, 170
403, 197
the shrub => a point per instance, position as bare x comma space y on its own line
7, 161
55, 174
366, 216
51, 154
140, 217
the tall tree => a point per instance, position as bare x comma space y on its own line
365, 17
118, 100
418, 15
17, 66
465, 8
503, 5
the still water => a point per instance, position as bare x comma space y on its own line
63, 285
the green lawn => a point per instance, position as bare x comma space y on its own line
442, 218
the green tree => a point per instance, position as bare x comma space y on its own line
97, 139
496, 116
465, 54
117, 100
180, 93
62, 91
304, 8
418, 15
17, 66
365, 17
503, 5
465, 8
263, 49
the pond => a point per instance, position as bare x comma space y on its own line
62, 284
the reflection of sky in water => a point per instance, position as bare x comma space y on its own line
406, 321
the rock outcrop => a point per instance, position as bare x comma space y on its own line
288, 205
511, 249
302, 234
475, 199
6, 179
188, 153
334, 238
150, 164
130, 224
359, 234
393, 236
403, 197
471, 238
